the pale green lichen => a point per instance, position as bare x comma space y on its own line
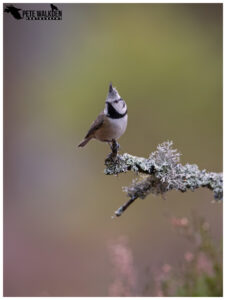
126, 162
164, 172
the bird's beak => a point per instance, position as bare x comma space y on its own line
110, 87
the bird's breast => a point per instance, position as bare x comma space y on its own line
112, 129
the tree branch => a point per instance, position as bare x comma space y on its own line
160, 173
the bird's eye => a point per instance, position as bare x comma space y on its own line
116, 101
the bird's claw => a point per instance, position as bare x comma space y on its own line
113, 155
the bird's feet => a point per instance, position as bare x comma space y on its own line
114, 151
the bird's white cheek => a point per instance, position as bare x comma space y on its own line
124, 109
119, 108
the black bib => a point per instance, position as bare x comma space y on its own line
113, 114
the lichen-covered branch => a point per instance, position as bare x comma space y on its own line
162, 172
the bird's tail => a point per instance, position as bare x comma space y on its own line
84, 142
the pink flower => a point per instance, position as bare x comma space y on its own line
204, 265
184, 222
166, 268
189, 256
123, 269
179, 222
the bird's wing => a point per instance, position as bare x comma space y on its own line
96, 124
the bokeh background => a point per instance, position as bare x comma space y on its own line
166, 62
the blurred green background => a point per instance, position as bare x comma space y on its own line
166, 62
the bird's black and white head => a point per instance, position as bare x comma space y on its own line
115, 106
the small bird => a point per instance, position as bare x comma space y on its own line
111, 123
